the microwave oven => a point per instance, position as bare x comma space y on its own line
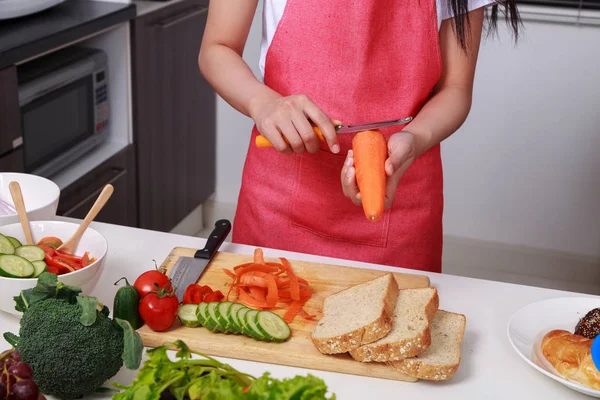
63, 99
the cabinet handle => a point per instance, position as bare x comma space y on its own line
167, 23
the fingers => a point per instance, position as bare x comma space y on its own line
270, 130
400, 150
288, 130
323, 122
348, 177
306, 132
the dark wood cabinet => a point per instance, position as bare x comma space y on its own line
10, 118
77, 199
173, 115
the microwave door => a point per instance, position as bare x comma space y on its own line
55, 122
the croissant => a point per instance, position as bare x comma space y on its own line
571, 356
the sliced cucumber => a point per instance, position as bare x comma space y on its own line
233, 312
12, 266
15, 242
201, 313
241, 317
208, 322
6, 246
253, 330
272, 326
213, 318
31, 253
222, 313
187, 315
39, 267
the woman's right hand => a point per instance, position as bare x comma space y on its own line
289, 118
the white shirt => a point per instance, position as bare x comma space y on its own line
273, 10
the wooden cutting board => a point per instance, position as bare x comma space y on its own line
298, 351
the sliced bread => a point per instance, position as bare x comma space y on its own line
410, 334
356, 316
441, 360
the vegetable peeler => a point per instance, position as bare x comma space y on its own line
262, 141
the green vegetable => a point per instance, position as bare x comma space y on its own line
6, 246
69, 341
187, 314
127, 305
12, 266
203, 377
14, 241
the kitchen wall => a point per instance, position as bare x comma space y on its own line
523, 174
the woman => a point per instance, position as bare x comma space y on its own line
356, 62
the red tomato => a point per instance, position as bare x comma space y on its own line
51, 241
146, 282
159, 310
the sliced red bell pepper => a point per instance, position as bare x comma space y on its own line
70, 263
69, 257
214, 296
195, 294
59, 265
47, 249
85, 260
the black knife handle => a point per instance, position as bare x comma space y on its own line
216, 238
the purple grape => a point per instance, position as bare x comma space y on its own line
3, 391
8, 380
8, 363
25, 389
21, 370
15, 356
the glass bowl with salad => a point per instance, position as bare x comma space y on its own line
21, 263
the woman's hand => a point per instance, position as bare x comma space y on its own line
289, 118
401, 154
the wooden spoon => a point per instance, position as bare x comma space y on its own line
17, 196
69, 245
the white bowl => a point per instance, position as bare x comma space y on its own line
85, 278
39, 194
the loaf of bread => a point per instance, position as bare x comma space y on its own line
410, 335
357, 316
571, 356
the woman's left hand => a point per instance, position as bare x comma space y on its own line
401, 154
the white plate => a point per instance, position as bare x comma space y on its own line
528, 326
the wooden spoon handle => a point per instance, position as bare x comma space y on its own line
98, 205
17, 196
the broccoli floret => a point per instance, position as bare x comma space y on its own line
80, 358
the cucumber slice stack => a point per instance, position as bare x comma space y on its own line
18, 261
229, 317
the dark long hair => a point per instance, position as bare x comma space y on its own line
461, 25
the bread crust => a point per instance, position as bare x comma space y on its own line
370, 333
395, 351
421, 369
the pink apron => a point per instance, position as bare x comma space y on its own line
359, 61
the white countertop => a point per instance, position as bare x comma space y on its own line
490, 369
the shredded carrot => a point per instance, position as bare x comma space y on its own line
258, 293
294, 284
291, 312
269, 285
230, 274
305, 315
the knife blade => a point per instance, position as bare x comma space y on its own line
262, 141
187, 270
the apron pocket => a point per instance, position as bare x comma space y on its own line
319, 205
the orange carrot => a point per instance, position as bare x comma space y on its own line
370, 153
294, 284
263, 285
291, 312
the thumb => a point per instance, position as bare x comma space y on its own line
400, 150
